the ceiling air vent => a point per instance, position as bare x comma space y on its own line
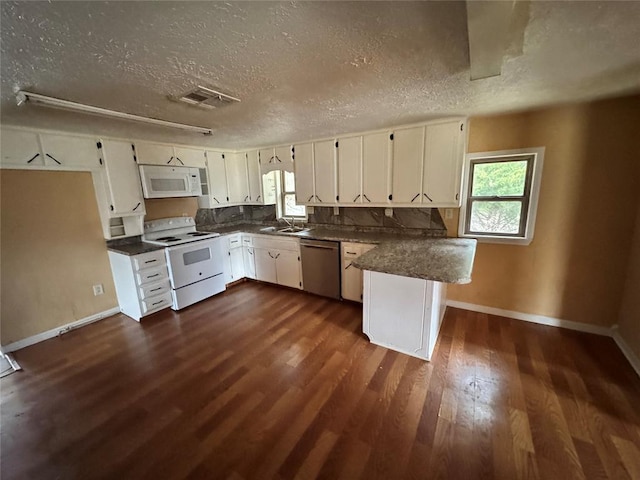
207, 98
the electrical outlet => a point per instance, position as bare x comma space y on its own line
336, 210
241, 209
388, 212
448, 213
98, 290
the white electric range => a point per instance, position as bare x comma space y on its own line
194, 259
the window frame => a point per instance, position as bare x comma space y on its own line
529, 199
282, 193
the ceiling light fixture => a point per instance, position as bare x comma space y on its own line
28, 97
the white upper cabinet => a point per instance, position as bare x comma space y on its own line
123, 179
349, 155
26, 149
408, 153
304, 173
278, 158
79, 153
217, 174
155, 154
20, 148
255, 178
375, 159
190, 157
237, 179
324, 160
444, 155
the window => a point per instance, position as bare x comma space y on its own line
286, 188
501, 195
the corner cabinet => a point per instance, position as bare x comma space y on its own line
277, 260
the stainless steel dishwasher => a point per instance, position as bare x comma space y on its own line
321, 267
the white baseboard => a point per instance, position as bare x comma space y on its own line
626, 350
529, 317
25, 342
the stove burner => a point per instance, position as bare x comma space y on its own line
167, 239
197, 234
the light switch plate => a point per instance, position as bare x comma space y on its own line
336, 210
448, 213
310, 209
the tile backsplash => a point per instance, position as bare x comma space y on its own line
418, 220
403, 218
223, 215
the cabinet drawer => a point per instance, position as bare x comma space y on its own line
247, 241
154, 289
235, 240
158, 302
270, 243
148, 260
152, 275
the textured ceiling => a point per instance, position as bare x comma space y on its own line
303, 70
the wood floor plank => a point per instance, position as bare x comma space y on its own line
262, 382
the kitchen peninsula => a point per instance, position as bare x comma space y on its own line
405, 290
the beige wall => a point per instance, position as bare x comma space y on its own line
170, 207
52, 252
629, 320
576, 266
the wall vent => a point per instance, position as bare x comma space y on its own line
207, 98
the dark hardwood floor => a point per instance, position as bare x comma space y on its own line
263, 382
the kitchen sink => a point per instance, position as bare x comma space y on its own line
293, 230
286, 230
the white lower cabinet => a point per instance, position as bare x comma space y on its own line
234, 259
142, 282
277, 260
352, 276
249, 257
402, 313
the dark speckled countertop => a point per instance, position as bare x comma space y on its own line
448, 260
134, 248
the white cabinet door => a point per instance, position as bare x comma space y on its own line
375, 160
190, 157
304, 173
351, 276
237, 263
217, 178
350, 170
79, 153
249, 262
237, 180
324, 161
20, 148
266, 156
288, 269
255, 178
283, 155
265, 265
155, 154
444, 154
123, 178
408, 153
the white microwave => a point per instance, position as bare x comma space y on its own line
159, 181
